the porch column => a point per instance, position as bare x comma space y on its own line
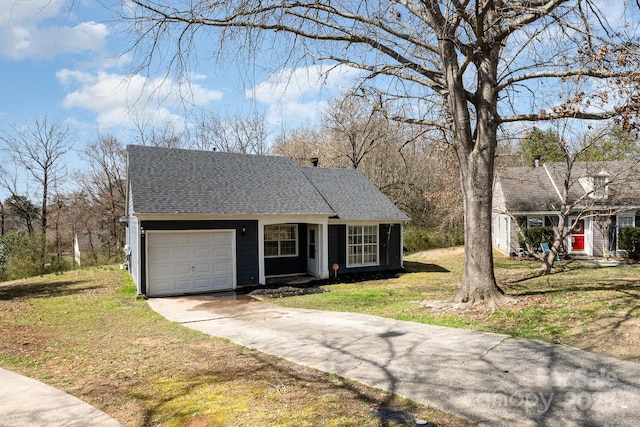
324, 249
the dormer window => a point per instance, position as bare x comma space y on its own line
600, 185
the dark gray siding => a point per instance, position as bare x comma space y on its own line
290, 265
246, 244
390, 242
338, 248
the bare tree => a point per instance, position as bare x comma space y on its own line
233, 133
104, 190
163, 134
464, 66
406, 163
355, 128
39, 148
302, 145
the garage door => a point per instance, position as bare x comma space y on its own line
190, 262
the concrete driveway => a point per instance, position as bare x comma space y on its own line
489, 379
27, 402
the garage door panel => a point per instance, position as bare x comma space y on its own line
204, 238
222, 267
221, 283
186, 262
162, 287
182, 239
161, 272
204, 283
182, 269
182, 253
182, 285
220, 253
222, 239
163, 254
202, 253
202, 268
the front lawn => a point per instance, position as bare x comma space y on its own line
84, 332
592, 308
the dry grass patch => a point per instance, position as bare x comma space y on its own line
84, 332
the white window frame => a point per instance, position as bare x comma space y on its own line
362, 244
280, 255
626, 216
620, 217
537, 218
600, 189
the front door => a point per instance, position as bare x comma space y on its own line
312, 250
577, 235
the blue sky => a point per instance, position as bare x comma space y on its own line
66, 59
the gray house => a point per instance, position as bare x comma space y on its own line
604, 197
201, 221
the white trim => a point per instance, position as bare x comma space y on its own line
619, 215
323, 230
297, 241
552, 181
370, 264
341, 221
268, 218
588, 236
313, 264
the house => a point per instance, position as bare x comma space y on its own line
602, 198
203, 221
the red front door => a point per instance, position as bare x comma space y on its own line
577, 236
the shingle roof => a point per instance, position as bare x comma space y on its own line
351, 195
167, 180
531, 189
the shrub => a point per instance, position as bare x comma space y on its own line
629, 240
22, 255
534, 236
423, 238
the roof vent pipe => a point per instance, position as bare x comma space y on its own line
314, 162
536, 161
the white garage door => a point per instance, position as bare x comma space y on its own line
190, 262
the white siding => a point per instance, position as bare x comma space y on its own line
133, 239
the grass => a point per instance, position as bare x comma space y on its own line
593, 308
86, 333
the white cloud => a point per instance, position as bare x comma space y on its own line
297, 94
39, 29
119, 100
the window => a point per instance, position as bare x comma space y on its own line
535, 221
280, 240
626, 221
600, 182
362, 245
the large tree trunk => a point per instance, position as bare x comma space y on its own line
478, 283
476, 148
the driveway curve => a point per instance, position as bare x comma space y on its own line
486, 378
